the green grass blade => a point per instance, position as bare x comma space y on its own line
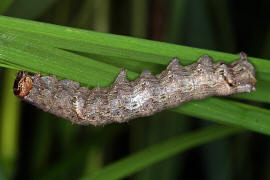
177, 13
4, 5
117, 46
45, 59
24, 50
139, 23
158, 152
9, 116
36, 56
229, 112
85, 70
24, 8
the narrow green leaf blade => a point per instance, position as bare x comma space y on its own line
229, 112
119, 46
158, 152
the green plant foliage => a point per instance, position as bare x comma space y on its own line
158, 152
12, 30
47, 48
41, 146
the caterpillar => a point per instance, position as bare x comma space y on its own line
145, 96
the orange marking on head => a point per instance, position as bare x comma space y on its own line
23, 85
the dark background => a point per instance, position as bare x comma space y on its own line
52, 148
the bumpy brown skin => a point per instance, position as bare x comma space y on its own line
145, 96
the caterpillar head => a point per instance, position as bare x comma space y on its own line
23, 84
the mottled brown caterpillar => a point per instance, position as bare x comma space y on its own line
147, 95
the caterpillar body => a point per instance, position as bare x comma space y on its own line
147, 95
